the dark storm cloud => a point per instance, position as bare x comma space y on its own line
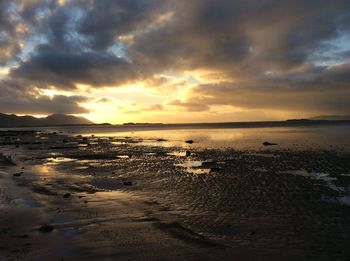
8, 46
17, 97
77, 37
267, 48
325, 91
42, 105
105, 19
64, 69
243, 34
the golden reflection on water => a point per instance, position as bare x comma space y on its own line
241, 138
58, 160
176, 138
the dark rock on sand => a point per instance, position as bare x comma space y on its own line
21, 236
266, 143
17, 174
189, 141
160, 140
188, 153
252, 233
215, 169
45, 229
127, 183
67, 195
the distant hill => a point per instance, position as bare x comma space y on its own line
51, 120
332, 117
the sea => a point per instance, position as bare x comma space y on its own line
293, 135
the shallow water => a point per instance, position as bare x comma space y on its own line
230, 190
299, 137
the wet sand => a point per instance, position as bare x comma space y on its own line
121, 198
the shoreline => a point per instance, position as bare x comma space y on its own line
170, 126
105, 199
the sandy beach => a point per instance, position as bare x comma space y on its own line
70, 197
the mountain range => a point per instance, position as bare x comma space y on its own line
332, 117
51, 120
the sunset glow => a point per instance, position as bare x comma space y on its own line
167, 61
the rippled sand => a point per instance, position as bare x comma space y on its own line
108, 198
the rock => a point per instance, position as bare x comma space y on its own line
266, 143
85, 138
22, 236
252, 233
208, 163
188, 153
67, 195
45, 229
127, 183
189, 141
18, 174
160, 140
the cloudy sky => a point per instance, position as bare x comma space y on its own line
175, 60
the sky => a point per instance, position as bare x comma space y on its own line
175, 61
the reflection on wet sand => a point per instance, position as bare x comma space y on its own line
122, 198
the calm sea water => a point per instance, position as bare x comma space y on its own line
301, 137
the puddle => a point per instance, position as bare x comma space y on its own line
82, 167
151, 154
324, 177
345, 200
198, 171
195, 167
177, 153
117, 142
191, 164
123, 157
57, 160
